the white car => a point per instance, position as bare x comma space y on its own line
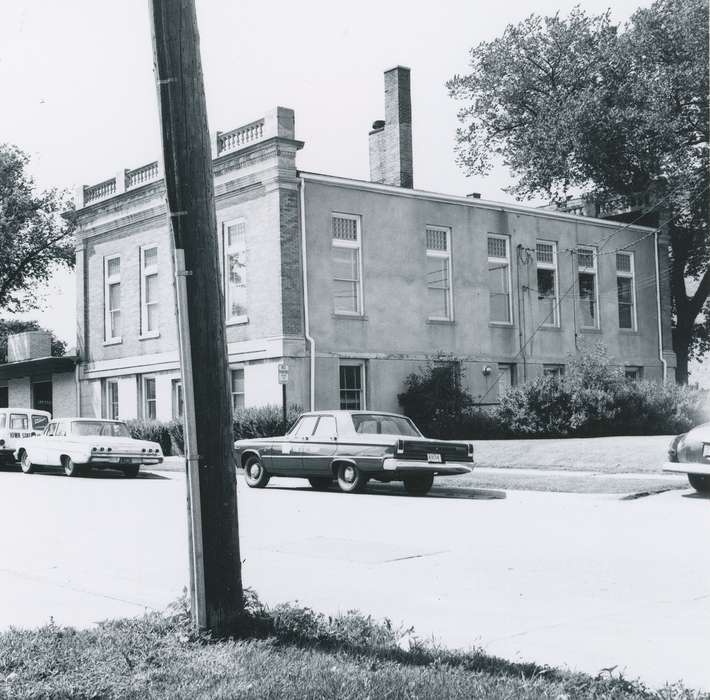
17, 424
79, 444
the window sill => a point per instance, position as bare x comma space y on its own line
590, 330
113, 341
500, 324
554, 329
441, 321
350, 317
237, 321
629, 331
147, 336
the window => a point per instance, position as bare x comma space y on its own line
4, 397
235, 271
506, 379
3, 421
39, 422
150, 402
178, 401
19, 421
149, 291
326, 428
347, 264
500, 296
51, 429
237, 382
588, 291
112, 298
304, 427
352, 392
111, 399
548, 307
626, 294
633, 374
553, 370
61, 429
438, 273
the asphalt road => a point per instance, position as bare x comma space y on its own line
584, 580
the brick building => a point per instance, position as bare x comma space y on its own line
354, 284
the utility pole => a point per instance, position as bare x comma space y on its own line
215, 566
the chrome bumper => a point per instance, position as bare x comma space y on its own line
686, 468
127, 460
390, 464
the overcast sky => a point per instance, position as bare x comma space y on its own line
79, 94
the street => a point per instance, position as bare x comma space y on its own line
588, 581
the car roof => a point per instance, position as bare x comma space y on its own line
93, 420
15, 409
341, 412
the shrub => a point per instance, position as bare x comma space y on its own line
594, 399
265, 421
153, 430
435, 399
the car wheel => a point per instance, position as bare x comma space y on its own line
71, 468
320, 483
254, 473
350, 478
700, 482
132, 471
418, 485
25, 463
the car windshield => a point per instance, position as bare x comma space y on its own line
100, 428
381, 424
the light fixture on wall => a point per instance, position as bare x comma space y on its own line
486, 370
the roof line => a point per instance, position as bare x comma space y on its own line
457, 199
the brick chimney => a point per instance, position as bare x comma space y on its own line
391, 139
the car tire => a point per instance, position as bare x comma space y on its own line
25, 463
254, 473
700, 482
320, 483
350, 478
71, 468
418, 485
132, 471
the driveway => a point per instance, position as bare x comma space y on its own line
587, 581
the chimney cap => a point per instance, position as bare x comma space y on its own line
378, 124
474, 195
398, 67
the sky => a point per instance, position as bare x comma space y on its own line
79, 94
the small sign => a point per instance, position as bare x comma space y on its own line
283, 373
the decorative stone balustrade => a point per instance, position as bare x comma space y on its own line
101, 191
142, 175
238, 138
278, 123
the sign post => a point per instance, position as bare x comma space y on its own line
283, 380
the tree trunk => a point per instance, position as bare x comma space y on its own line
681, 345
190, 189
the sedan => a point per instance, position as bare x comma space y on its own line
352, 447
78, 445
689, 454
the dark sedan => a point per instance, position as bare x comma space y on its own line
352, 447
689, 454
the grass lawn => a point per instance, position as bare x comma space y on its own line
624, 454
291, 653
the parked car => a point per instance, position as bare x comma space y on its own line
689, 453
16, 424
352, 447
78, 445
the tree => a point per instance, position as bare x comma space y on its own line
12, 326
578, 104
35, 239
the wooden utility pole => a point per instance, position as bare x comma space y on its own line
216, 583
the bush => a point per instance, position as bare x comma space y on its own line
436, 400
265, 421
153, 430
594, 399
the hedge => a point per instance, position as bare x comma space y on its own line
265, 421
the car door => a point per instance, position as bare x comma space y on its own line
54, 442
286, 452
317, 450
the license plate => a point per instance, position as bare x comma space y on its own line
434, 457
706, 450
125, 460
